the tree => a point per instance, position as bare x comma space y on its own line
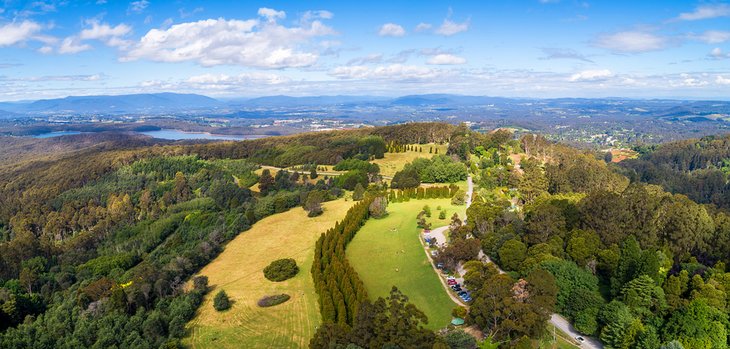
358, 193
281, 269
313, 172
200, 284
697, 326
460, 340
378, 207
512, 253
543, 222
266, 182
221, 301
181, 191
313, 203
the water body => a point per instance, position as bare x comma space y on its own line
57, 134
169, 134
177, 135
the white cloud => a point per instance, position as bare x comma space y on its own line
449, 27
712, 36
15, 33
422, 27
369, 59
72, 45
706, 12
391, 29
720, 80
393, 72
138, 6
271, 14
100, 31
631, 42
232, 42
591, 75
717, 53
445, 59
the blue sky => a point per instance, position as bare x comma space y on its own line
544, 49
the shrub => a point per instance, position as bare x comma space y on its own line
281, 269
221, 301
442, 215
200, 284
459, 198
270, 301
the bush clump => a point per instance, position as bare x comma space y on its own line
270, 301
221, 301
281, 269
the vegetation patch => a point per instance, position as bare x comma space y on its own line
281, 269
221, 301
270, 301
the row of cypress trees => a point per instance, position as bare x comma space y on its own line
445, 192
339, 287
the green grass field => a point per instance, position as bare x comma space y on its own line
239, 271
387, 252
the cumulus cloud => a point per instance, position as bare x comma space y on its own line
16, 33
391, 29
632, 42
271, 14
449, 27
706, 12
253, 43
712, 36
591, 75
721, 80
103, 31
562, 53
445, 59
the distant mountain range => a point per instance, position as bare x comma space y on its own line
156, 103
135, 103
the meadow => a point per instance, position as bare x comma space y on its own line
387, 252
394, 162
238, 271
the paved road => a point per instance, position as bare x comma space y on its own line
556, 319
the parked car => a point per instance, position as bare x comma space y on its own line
451, 282
580, 340
434, 253
440, 265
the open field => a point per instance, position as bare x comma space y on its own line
387, 252
239, 271
275, 170
394, 162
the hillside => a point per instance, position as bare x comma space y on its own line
115, 234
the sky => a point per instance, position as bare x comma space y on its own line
239, 49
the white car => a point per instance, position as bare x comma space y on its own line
580, 340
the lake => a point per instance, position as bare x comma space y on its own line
57, 134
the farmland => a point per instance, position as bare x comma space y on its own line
394, 162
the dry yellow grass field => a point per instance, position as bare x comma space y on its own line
394, 162
239, 271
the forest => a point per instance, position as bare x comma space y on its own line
100, 240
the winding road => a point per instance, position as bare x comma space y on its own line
555, 319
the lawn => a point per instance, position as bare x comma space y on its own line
394, 162
387, 252
239, 271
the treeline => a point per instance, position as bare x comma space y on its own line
445, 192
339, 287
325, 147
698, 168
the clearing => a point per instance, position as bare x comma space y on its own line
394, 162
239, 271
387, 252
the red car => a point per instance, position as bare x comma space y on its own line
451, 281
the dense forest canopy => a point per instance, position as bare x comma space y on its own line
698, 168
